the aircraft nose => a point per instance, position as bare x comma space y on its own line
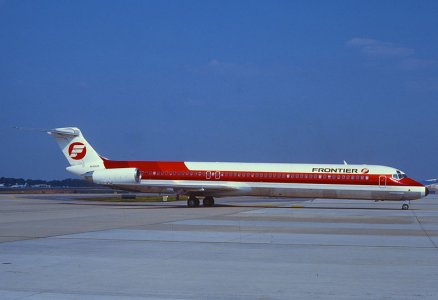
426, 192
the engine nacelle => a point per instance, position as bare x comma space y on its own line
115, 176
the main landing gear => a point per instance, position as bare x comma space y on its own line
194, 202
405, 205
208, 201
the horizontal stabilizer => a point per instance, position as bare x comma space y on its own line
64, 132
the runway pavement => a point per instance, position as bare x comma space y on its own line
58, 247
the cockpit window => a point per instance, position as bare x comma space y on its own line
399, 175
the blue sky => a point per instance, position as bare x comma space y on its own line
254, 81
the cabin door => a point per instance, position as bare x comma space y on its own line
382, 182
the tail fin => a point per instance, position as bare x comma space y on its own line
79, 153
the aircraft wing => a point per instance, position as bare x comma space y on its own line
188, 187
205, 188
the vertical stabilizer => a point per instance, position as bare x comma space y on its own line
79, 153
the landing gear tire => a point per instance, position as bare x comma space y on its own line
193, 202
405, 206
208, 201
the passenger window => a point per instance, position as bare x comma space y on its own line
366, 177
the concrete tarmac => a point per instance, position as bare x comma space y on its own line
58, 247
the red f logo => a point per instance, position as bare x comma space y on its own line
364, 170
77, 151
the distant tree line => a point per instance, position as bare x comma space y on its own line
7, 182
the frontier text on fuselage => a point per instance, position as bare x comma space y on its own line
335, 170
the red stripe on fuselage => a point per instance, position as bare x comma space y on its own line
146, 165
154, 170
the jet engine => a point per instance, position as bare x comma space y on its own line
115, 176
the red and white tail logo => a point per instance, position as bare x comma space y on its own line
77, 151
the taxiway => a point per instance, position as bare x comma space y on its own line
58, 247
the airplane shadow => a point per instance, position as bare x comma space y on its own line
155, 205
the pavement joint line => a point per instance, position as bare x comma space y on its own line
34, 294
18, 236
232, 241
161, 294
425, 231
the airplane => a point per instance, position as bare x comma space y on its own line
226, 179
